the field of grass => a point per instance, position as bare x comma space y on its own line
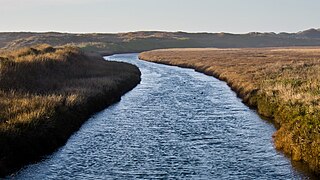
282, 83
47, 93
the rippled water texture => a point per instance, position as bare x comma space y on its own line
176, 124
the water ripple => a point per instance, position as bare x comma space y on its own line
177, 124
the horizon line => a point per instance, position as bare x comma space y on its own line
168, 31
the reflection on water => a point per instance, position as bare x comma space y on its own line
176, 124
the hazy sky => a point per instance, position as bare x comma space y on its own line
236, 16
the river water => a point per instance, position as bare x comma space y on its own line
176, 124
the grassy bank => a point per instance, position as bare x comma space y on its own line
282, 83
47, 93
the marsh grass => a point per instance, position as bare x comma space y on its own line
282, 83
46, 94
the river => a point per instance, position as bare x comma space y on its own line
176, 124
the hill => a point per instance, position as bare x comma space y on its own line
311, 34
148, 40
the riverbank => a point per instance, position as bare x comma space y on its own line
282, 83
46, 95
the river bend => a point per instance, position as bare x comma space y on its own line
176, 124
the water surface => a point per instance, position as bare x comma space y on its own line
177, 124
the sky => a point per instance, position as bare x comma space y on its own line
234, 16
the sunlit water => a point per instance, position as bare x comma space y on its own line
177, 124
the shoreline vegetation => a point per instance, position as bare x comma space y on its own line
46, 93
283, 84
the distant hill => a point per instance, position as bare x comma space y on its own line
148, 40
310, 33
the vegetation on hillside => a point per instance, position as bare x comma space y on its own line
46, 94
149, 40
282, 83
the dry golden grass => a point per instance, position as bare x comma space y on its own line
46, 94
282, 83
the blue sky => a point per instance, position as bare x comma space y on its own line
237, 16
